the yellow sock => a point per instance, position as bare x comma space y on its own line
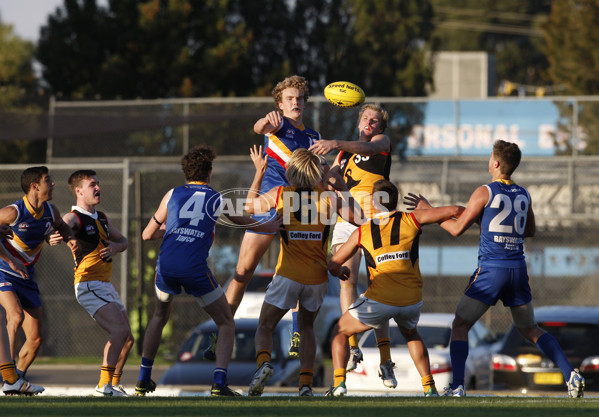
384, 346
9, 372
306, 377
339, 376
116, 379
106, 374
428, 382
353, 341
262, 356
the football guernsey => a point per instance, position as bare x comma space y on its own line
279, 146
390, 245
192, 213
502, 225
29, 232
361, 172
304, 242
92, 236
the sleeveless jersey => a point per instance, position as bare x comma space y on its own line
279, 146
92, 236
192, 213
304, 242
29, 232
390, 246
502, 225
361, 172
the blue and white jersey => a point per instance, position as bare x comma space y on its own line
502, 225
29, 233
279, 146
192, 213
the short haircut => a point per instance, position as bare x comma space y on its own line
304, 169
76, 177
508, 154
32, 175
385, 194
295, 81
197, 164
377, 108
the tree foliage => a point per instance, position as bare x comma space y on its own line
17, 80
183, 48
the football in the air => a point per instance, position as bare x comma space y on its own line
344, 94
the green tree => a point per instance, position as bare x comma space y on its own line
17, 80
571, 36
19, 100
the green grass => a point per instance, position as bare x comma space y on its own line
301, 407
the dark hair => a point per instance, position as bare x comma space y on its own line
78, 176
508, 154
385, 193
32, 175
197, 164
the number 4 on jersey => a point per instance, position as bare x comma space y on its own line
193, 208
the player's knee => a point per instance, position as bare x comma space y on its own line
15, 319
163, 296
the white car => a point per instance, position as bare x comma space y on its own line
435, 330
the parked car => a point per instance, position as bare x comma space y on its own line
191, 368
435, 329
327, 317
520, 365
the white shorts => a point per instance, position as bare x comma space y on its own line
284, 293
375, 314
95, 294
342, 232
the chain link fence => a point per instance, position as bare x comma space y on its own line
563, 257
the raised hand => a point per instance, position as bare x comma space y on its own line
413, 201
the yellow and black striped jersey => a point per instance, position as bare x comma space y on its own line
361, 172
92, 236
390, 246
304, 242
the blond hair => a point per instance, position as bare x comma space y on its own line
376, 108
304, 169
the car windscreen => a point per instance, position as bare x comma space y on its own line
433, 337
576, 339
243, 348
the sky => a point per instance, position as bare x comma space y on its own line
28, 16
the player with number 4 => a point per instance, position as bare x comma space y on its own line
185, 221
504, 211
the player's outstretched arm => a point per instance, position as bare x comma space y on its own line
437, 214
379, 143
271, 226
470, 215
269, 123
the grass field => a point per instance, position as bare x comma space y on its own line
294, 406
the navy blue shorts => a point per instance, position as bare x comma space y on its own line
489, 284
26, 290
196, 286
